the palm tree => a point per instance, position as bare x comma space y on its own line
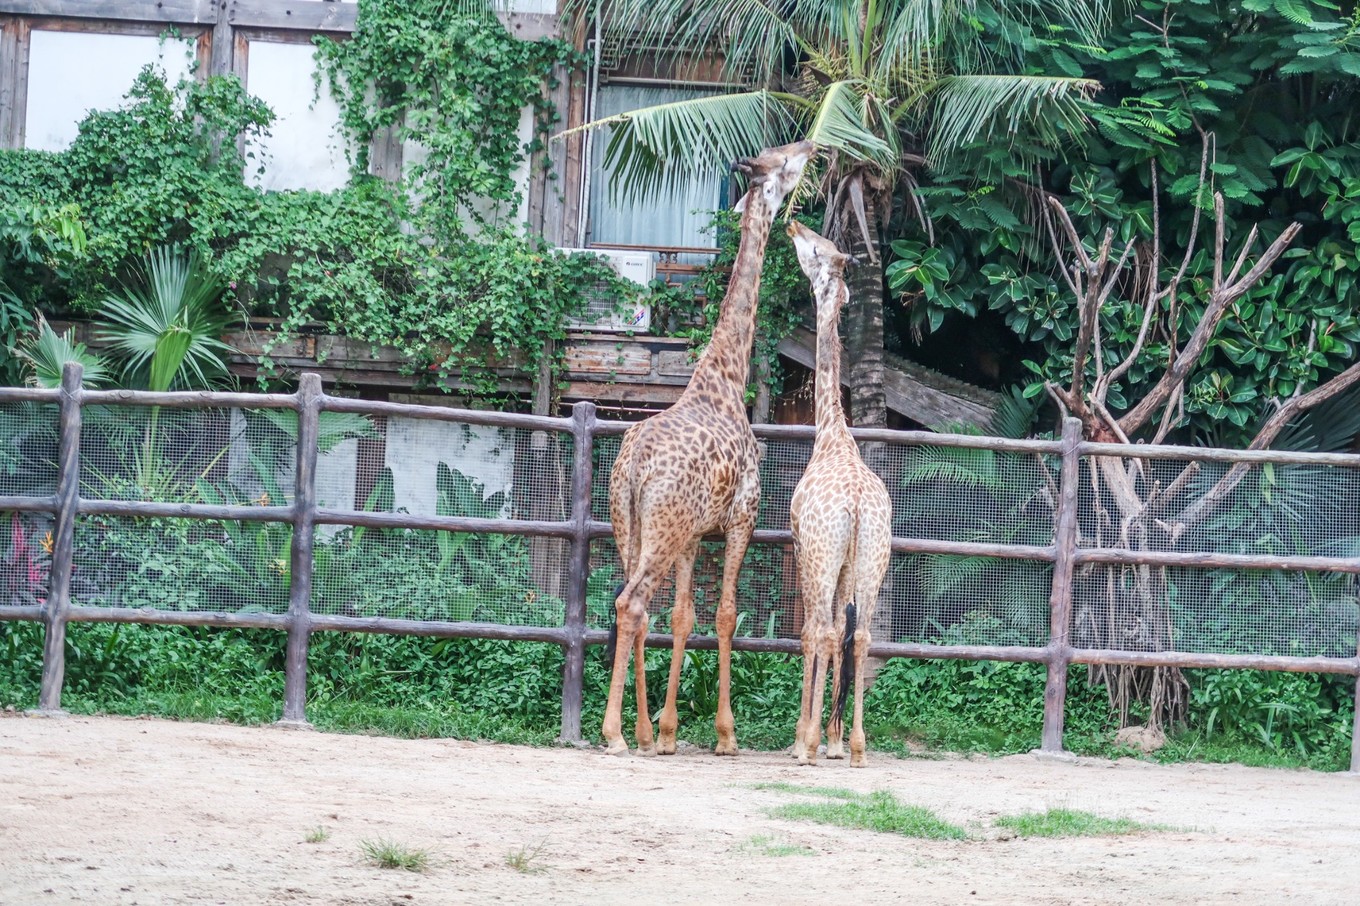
166, 326
882, 86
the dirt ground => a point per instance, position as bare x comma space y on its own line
111, 810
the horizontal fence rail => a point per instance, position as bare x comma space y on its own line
1054, 552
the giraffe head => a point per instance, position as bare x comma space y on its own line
821, 261
773, 173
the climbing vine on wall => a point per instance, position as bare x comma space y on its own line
434, 263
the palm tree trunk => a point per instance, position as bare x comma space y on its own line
864, 320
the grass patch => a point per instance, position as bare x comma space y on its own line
769, 846
447, 722
523, 859
878, 811
317, 834
826, 792
1062, 822
387, 854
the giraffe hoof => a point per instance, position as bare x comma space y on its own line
835, 753
617, 747
665, 747
860, 762
725, 748
647, 751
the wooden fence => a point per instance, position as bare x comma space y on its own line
1067, 552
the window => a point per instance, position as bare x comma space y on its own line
678, 219
71, 73
305, 148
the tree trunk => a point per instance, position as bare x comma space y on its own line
864, 320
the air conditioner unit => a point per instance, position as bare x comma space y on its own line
602, 313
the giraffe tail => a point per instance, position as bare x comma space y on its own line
613, 641
847, 663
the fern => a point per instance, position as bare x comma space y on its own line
956, 465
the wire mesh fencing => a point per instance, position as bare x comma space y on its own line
305, 512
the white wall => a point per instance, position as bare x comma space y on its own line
415, 447
71, 73
306, 148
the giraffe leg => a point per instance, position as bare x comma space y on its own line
642, 730
857, 752
800, 747
835, 728
682, 623
871, 575
818, 594
738, 537
630, 614
812, 731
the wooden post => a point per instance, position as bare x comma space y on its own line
1355, 721
1060, 600
578, 570
300, 584
63, 543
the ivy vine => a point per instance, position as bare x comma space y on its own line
432, 262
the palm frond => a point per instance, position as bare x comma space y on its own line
753, 34
840, 125
969, 467
942, 575
912, 33
167, 325
47, 353
1330, 427
661, 149
966, 108
1014, 416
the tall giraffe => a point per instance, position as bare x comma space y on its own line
692, 470
841, 518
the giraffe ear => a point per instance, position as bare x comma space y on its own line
740, 206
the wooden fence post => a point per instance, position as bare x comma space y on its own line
578, 569
300, 576
63, 543
1355, 721
1060, 600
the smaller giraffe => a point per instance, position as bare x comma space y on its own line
841, 517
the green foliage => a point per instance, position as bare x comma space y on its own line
37, 245
1305, 715
1273, 85
450, 78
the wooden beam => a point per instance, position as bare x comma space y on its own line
300, 15
221, 54
912, 390
179, 12
293, 15
9, 79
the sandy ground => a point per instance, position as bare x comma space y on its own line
110, 810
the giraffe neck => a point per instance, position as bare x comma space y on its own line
831, 297
726, 364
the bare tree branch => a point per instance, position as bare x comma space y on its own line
1222, 296
1269, 431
